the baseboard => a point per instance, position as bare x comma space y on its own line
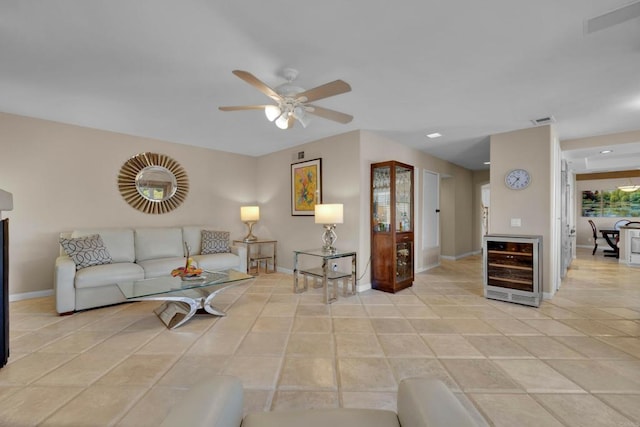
363, 287
427, 268
30, 295
457, 257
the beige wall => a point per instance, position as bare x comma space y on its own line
340, 184
480, 178
447, 217
64, 177
455, 222
346, 161
529, 149
584, 235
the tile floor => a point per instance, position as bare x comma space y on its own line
575, 361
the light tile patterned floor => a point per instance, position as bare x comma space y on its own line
575, 361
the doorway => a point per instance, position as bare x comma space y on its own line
485, 211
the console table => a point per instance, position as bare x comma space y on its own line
257, 255
325, 273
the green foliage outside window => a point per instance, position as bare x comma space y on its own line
611, 203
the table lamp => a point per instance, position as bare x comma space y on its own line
250, 215
329, 215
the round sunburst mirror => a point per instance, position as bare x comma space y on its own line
153, 183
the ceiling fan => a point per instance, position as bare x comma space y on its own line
292, 102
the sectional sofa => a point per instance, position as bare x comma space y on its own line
133, 254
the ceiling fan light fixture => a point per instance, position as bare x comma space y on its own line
291, 100
300, 114
283, 121
272, 112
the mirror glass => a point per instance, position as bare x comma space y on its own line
153, 183
156, 183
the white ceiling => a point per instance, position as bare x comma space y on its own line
466, 69
613, 157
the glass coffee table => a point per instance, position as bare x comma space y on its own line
183, 297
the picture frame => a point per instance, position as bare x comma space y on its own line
611, 203
306, 187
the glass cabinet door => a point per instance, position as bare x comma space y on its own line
404, 265
381, 199
404, 181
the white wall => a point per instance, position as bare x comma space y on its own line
64, 177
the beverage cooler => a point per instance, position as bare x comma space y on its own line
513, 268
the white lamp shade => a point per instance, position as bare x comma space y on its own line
301, 116
329, 213
272, 112
249, 213
283, 121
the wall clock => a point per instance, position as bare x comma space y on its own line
517, 179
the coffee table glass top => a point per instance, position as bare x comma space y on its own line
167, 284
338, 253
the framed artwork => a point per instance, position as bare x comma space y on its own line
610, 203
306, 187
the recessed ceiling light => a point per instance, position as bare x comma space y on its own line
434, 135
606, 151
487, 163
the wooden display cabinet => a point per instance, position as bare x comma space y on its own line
392, 242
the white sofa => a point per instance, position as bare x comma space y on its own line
136, 253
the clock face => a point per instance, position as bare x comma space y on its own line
517, 179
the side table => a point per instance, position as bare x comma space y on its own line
258, 252
325, 274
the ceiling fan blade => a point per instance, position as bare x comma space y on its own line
258, 84
335, 87
243, 107
325, 113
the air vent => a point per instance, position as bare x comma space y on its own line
543, 121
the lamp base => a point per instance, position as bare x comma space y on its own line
250, 237
329, 237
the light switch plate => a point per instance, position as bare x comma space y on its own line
516, 222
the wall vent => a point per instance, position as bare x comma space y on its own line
543, 121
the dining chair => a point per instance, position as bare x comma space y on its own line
620, 223
595, 237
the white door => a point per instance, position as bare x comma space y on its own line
431, 212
